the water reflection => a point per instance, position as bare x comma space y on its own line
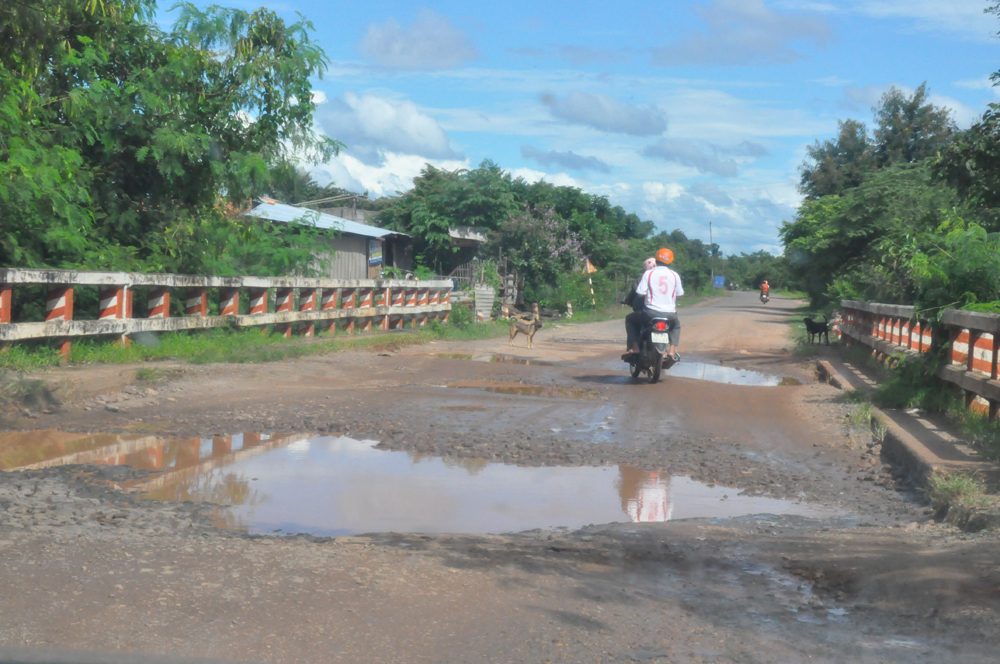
645, 495
335, 486
717, 373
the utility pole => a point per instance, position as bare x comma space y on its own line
711, 252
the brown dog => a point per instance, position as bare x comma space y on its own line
527, 327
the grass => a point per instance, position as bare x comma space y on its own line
251, 346
947, 489
240, 346
17, 390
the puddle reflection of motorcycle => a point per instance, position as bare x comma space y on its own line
652, 358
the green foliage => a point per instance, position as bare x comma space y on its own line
123, 146
836, 165
461, 317
750, 270
861, 244
947, 489
541, 229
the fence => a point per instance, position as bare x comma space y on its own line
298, 303
973, 343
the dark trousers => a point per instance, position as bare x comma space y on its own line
635, 321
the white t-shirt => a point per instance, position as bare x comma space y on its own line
661, 287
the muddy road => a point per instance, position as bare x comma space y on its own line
510, 505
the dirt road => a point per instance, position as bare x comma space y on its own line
857, 570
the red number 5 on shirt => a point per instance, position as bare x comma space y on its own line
664, 284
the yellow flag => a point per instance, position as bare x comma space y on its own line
588, 267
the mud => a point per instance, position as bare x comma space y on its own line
874, 579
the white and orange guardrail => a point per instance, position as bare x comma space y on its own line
890, 329
361, 304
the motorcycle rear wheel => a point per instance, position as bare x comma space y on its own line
654, 371
634, 369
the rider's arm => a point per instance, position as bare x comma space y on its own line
680, 288
642, 288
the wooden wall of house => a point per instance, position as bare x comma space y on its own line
349, 257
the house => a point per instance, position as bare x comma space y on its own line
351, 250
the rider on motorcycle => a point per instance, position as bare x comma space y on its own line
634, 300
659, 288
765, 290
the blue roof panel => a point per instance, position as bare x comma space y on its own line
283, 212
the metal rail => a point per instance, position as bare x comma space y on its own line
299, 304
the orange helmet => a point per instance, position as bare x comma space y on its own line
665, 256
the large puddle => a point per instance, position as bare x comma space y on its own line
338, 486
718, 373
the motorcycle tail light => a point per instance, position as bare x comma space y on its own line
660, 325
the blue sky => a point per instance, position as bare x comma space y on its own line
684, 112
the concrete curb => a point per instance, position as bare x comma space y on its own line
907, 451
901, 445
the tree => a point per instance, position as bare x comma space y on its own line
836, 165
126, 147
910, 129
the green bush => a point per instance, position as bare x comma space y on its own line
461, 317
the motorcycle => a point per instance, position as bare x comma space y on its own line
652, 357
765, 298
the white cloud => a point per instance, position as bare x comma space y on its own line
955, 15
319, 97
692, 155
559, 179
743, 32
570, 160
606, 113
372, 126
431, 42
394, 174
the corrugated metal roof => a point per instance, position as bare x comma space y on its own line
283, 212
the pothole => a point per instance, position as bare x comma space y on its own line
717, 373
326, 485
528, 390
494, 357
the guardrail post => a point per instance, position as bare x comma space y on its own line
196, 302
229, 302
423, 297
328, 300
365, 302
307, 302
396, 298
6, 306
59, 306
347, 299
283, 302
158, 303
445, 299
116, 303
386, 300
959, 346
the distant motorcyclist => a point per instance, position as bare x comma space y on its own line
659, 289
765, 291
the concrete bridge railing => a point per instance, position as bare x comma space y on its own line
972, 338
299, 304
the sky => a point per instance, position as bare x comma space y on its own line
685, 112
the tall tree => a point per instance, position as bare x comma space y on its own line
910, 129
837, 164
